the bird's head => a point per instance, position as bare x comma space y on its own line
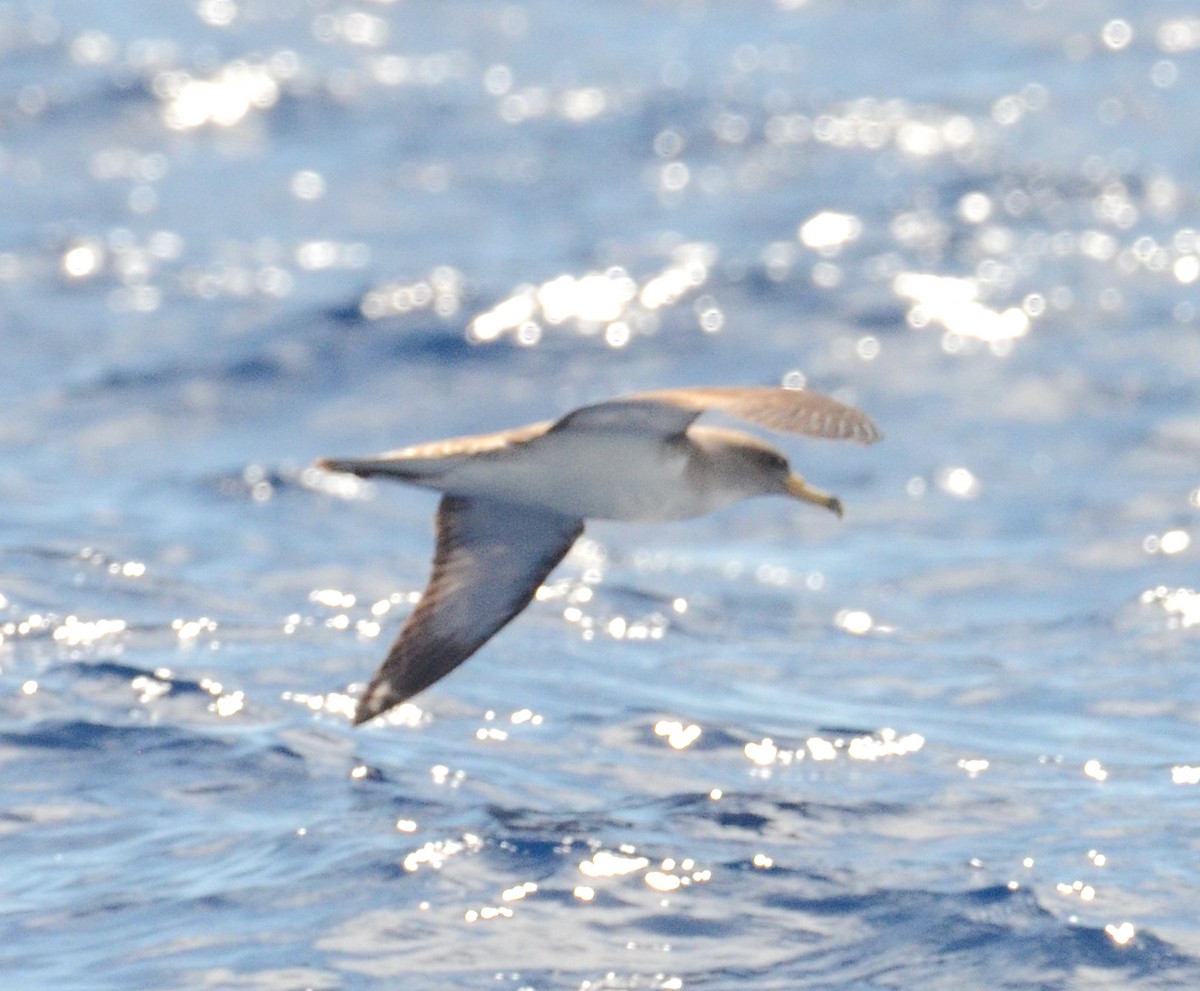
762, 470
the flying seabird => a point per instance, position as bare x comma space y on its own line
514, 502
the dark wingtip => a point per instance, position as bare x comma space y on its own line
378, 697
347, 466
364, 712
865, 431
835, 506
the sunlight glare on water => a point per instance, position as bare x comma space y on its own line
239, 237
236, 90
610, 302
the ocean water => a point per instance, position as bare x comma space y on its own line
952, 741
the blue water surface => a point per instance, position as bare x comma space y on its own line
950, 742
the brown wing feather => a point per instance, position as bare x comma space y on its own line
671, 411
797, 411
490, 559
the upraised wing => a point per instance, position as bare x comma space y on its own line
671, 411
489, 561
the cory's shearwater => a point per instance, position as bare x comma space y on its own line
514, 502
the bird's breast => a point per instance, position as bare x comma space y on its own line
590, 475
